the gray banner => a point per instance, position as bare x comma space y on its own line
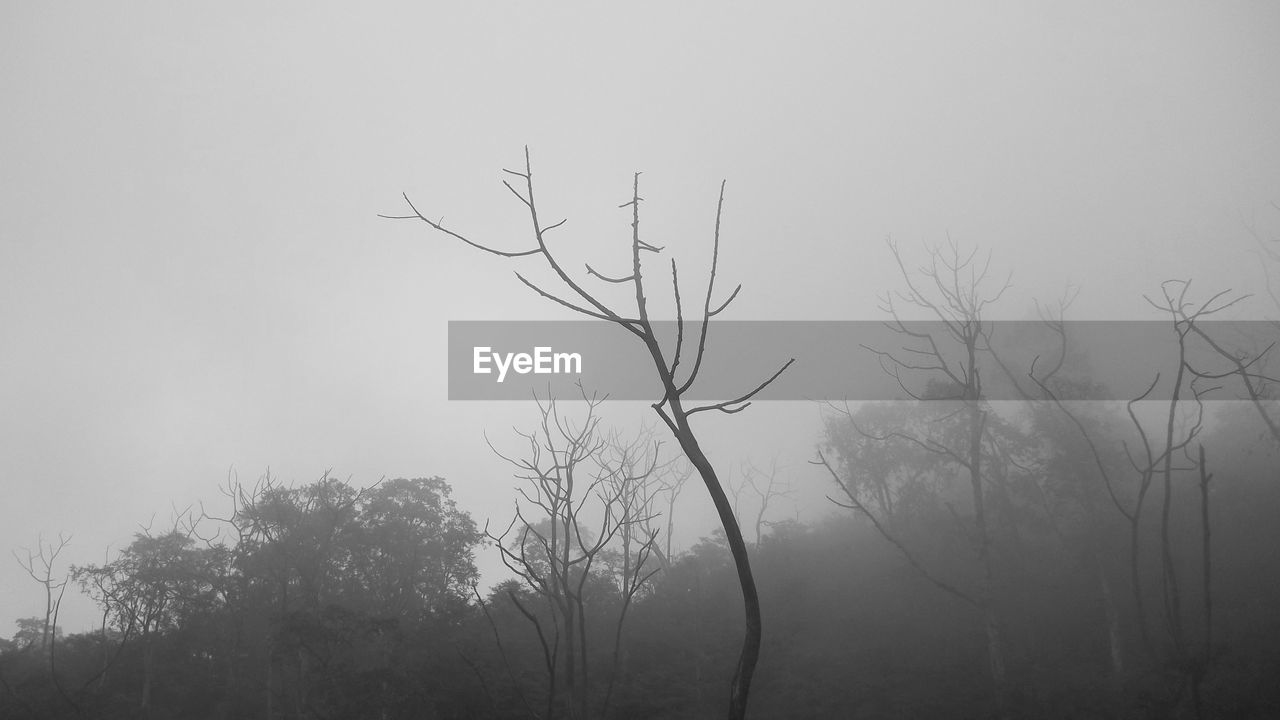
841, 360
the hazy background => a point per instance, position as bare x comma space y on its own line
193, 276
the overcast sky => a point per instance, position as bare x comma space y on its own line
193, 276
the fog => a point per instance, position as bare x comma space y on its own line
196, 285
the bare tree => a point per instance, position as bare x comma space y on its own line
630, 478
766, 486
1184, 315
676, 383
671, 479
558, 544
853, 501
1054, 321
541, 549
39, 564
952, 290
1257, 384
1154, 461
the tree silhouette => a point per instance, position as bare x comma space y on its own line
671, 408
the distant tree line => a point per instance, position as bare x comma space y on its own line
331, 601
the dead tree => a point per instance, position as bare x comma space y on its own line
39, 565
1247, 366
675, 380
766, 486
556, 543
1257, 385
1054, 321
1154, 462
672, 478
1184, 315
951, 290
630, 479
633, 472
852, 501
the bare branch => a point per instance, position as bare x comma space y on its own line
855, 504
419, 216
725, 406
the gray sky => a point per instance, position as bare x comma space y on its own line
193, 276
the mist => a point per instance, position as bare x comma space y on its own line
236, 243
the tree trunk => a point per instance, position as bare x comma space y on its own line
148, 671
741, 684
986, 601
1114, 638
